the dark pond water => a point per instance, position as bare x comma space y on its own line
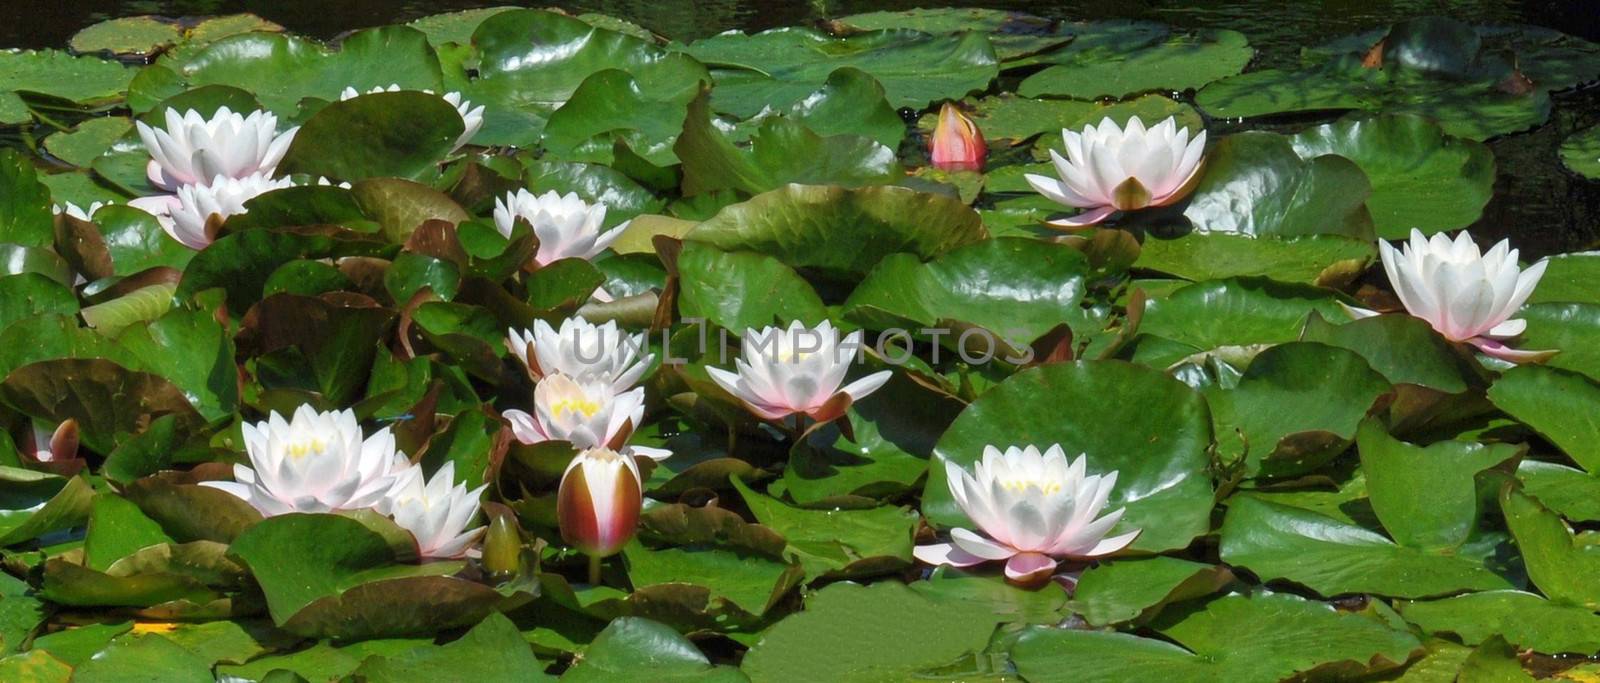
1546, 209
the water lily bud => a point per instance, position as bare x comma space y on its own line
1465, 295
567, 226
1110, 168
957, 144
194, 150
1034, 509
784, 371
60, 445
502, 545
599, 501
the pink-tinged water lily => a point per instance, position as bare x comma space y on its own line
587, 414
785, 371
1109, 169
315, 462
471, 117
201, 209
567, 226
583, 351
957, 144
1467, 296
1034, 510
599, 501
436, 511
195, 150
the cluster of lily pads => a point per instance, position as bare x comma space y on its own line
944, 344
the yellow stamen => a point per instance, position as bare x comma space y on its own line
305, 448
576, 405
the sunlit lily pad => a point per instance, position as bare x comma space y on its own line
1524, 619
85, 80
1581, 152
1421, 178
1115, 59
777, 67
1236, 637
1014, 34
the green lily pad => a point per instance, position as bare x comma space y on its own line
1404, 349
399, 134
454, 27
1255, 184
1581, 152
1561, 565
530, 62
109, 401
1524, 619
782, 151
777, 67
1150, 428
850, 102
30, 294
1016, 288
117, 529
1426, 496
837, 542
1116, 59
39, 503
282, 70
1232, 313
84, 80
840, 230
742, 290
1568, 327
1421, 178
1334, 557
884, 631
1014, 34
1129, 589
149, 654
1295, 407
631, 647
1311, 259
492, 648
126, 36
1572, 492
1554, 403
1236, 638
25, 216
612, 102
1569, 278
88, 141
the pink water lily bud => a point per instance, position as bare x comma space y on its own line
194, 150
598, 504
315, 462
957, 144
567, 226
1109, 168
1034, 509
60, 445
797, 370
1466, 296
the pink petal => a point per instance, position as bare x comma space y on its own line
1089, 217
945, 554
978, 546
1113, 544
1029, 568
1498, 350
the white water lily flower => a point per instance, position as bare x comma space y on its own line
194, 150
471, 118
567, 226
1035, 509
598, 504
587, 414
1465, 295
436, 511
315, 462
784, 371
190, 222
78, 212
583, 351
1109, 169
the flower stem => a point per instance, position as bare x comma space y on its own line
594, 570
